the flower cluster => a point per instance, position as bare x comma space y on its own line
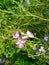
22, 40
41, 50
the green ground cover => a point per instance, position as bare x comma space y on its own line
21, 16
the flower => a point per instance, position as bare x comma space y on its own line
29, 34
42, 49
16, 35
45, 38
21, 42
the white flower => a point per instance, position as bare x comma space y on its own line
29, 34
42, 49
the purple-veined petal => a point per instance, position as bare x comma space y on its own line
16, 35
30, 34
21, 45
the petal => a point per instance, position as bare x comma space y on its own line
30, 34
19, 38
16, 35
21, 45
41, 47
17, 43
40, 50
45, 38
34, 48
24, 37
38, 53
43, 51
22, 33
24, 41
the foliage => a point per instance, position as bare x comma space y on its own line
20, 16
